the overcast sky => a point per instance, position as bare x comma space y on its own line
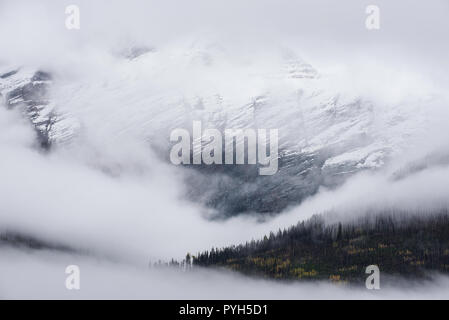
321, 29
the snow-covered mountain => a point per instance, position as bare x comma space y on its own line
325, 135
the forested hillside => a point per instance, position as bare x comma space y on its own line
409, 245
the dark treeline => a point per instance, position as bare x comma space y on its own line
400, 243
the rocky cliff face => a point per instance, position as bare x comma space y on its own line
28, 91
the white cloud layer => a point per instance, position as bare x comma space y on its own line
42, 275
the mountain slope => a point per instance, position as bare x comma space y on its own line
326, 136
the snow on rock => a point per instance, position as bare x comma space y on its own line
325, 135
28, 90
